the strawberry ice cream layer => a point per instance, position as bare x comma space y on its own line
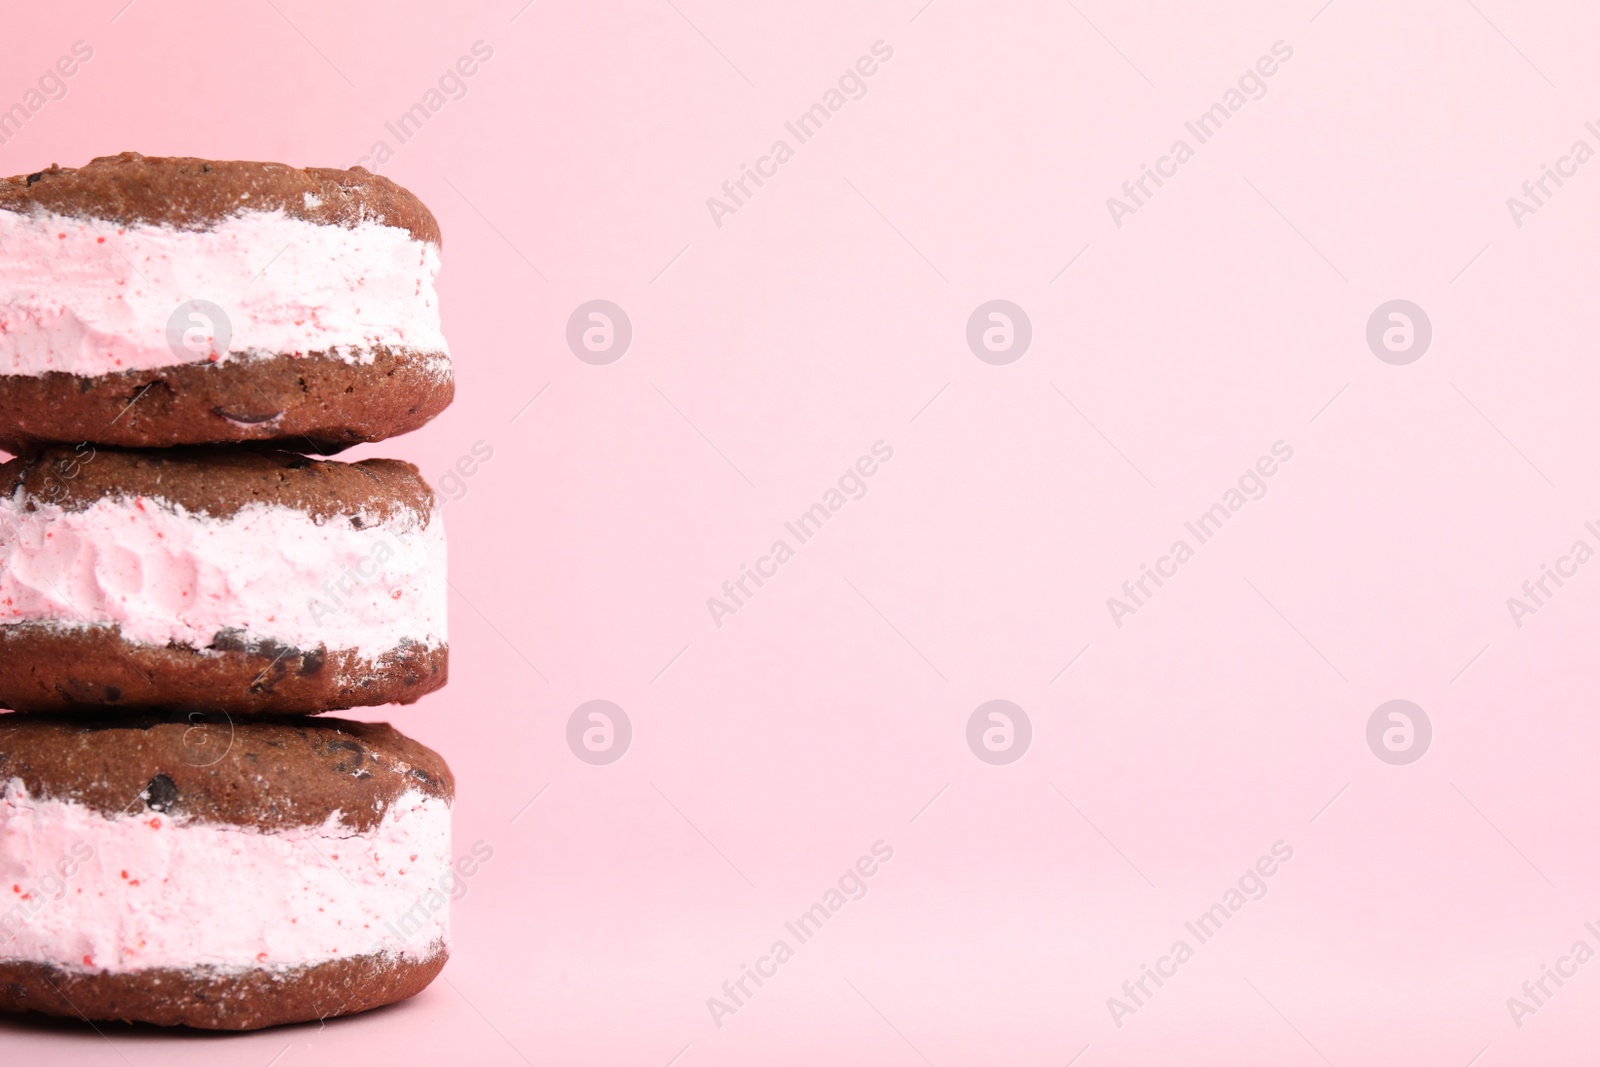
85, 892
89, 297
163, 575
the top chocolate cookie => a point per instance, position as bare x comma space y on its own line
196, 194
148, 302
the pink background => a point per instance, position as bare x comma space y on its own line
768, 354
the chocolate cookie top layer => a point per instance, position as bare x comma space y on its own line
272, 775
194, 194
220, 481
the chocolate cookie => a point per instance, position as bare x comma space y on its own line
148, 302
220, 875
205, 579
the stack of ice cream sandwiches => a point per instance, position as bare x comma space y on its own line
185, 580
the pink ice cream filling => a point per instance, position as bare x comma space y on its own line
89, 297
90, 893
164, 575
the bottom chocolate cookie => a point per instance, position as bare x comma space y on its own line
223, 876
214, 998
93, 668
317, 402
